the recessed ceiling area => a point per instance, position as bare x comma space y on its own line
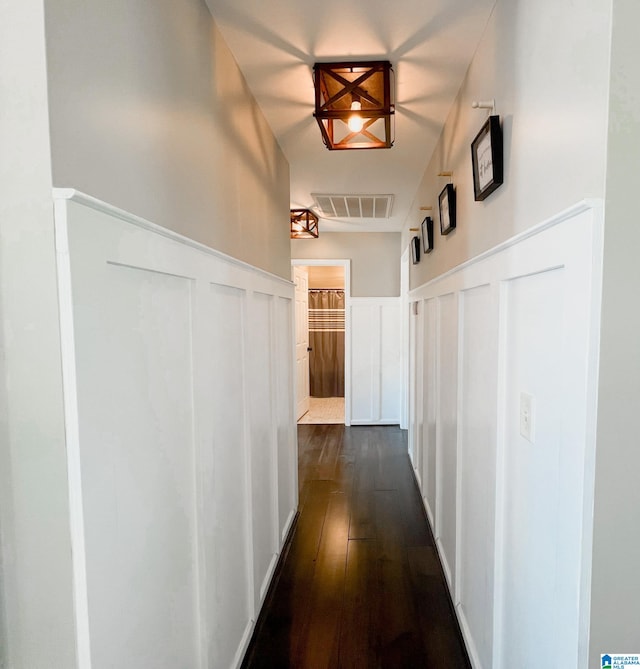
429, 43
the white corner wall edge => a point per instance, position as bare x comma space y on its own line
102, 256
74, 476
563, 253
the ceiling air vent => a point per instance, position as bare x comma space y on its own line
353, 206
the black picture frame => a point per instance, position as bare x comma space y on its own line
487, 159
427, 234
447, 207
415, 249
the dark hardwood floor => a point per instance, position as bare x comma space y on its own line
359, 583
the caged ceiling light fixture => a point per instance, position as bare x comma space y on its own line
304, 224
354, 106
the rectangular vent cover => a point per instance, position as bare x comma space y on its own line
353, 206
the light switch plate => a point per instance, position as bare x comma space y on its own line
527, 417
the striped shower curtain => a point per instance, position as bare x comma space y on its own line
326, 340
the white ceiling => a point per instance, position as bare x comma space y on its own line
430, 44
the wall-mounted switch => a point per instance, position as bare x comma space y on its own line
527, 417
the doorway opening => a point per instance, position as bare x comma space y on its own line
322, 349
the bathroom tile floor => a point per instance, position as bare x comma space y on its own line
324, 411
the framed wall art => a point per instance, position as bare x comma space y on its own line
415, 249
447, 206
427, 234
487, 159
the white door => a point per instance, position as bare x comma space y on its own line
301, 280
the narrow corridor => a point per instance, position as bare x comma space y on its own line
361, 584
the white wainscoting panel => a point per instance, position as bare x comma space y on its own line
138, 488
225, 494
263, 458
285, 417
428, 406
477, 469
416, 428
390, 363
375, 361
512, 515
533, 492
182, 441
415, 409
446, 433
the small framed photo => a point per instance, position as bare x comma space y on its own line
427, 234
415, 249
486, 158
447, 206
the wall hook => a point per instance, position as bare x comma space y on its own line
484, 104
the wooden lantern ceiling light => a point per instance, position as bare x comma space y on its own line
304, 224
354, 107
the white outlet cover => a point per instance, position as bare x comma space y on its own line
527, 417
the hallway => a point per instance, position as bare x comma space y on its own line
361, 584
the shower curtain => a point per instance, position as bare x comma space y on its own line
326, 340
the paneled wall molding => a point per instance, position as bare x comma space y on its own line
389, 301
588, 204
181, 438
376, 371
504, 365
73, 195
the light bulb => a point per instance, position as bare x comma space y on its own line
355, 122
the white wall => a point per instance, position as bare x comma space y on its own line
141, 104
149, 111
511, 517
546, 64
616, 585
35, 581
178, 375
565, 82
375, 266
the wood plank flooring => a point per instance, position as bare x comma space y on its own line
359, 584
